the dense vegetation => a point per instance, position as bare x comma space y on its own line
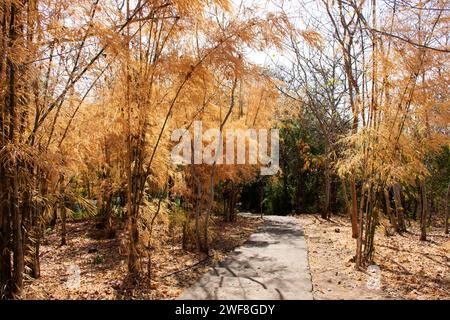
91, 90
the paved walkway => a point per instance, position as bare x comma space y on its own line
272, 265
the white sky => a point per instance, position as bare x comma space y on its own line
298, 12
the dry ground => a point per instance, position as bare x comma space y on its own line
102, 264
410, 269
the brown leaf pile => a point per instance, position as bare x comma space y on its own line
103, 268
410, 268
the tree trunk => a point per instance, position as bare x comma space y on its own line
54, 217
423, 215
208, 212
399, 210
18, 240
431, 210
261, 199
389, 211
184, 236
326, 208
5, 246
446, 209
133, 267
233, 204
197, 207
62, 211
333, 196
348, 209
18, 255
354, 213
36, 264
36, 235
359, 240
107, 214
110, 230
371, 215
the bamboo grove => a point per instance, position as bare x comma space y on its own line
386, 62
91, 91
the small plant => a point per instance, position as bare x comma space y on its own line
98, 259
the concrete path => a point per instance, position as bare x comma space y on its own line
271, 265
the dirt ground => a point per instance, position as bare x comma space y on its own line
101, 264
409, 268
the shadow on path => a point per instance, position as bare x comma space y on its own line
272, 264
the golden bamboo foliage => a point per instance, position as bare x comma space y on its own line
91, 91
